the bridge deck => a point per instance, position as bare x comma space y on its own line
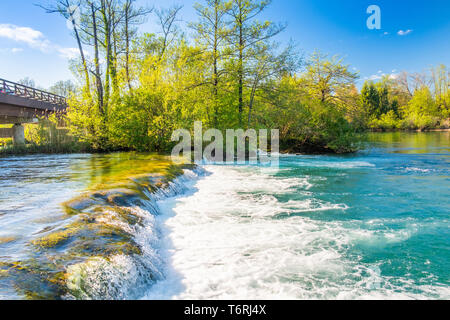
19, 103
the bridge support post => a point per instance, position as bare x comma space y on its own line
18, 134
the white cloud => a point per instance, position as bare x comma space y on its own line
379, 76
31, 37
393, 76
68, 53
404, 33
386, 33
34, 39
375, 77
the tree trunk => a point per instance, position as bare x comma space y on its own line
241, 68
216, 75
97, 63
252, 99
107, 45
127, 45
83, 60
113, 56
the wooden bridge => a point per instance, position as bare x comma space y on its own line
22, 104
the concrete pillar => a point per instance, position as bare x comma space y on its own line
18, 134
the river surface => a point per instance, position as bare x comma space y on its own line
370, 225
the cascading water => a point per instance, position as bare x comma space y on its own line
125, 276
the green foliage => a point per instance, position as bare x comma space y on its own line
306, 123
423, 103
387, 121
47, 131
86, 122
422, 110
67, 147
370, 99
232, 76
48, 135
329, 128
6, 142
38, 134
325, 76
384, 104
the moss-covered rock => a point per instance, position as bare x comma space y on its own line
54, 239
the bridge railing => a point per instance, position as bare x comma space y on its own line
20, 90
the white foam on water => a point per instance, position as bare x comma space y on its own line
328, 164
222, 241
417, 170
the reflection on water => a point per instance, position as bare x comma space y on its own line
412, 142
103, 170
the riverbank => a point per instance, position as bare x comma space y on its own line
67, 148
286, 146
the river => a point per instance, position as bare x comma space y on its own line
374, 224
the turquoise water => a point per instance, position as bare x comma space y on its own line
370, 225
397, 195
400, 189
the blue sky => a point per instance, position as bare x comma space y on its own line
414, 35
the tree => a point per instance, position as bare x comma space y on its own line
266, 66
423, 103
247, 33
90, 24
167, 20
109, 17
422, 111
306, 124
350, 103
28, 82
370, 99
212, 32
324, 76
441, 83
63, 88
68, 9
133, 16
384, 104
